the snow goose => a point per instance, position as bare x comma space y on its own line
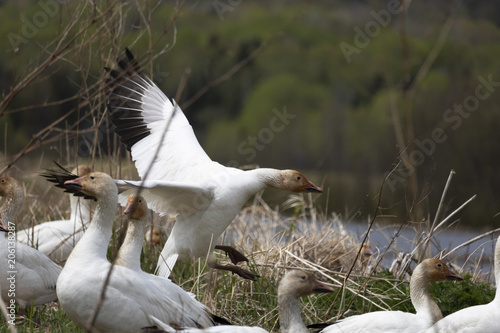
293, 285
397, 321
182, 178
128, 299
35, 275
480, 318
155, 236
57, 238
129, 255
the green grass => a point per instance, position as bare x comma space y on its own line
322, 249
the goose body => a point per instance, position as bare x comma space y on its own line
58, 238
35, 275
129, 255
427, 311
129, 299
182, 178
293, 285
480, 318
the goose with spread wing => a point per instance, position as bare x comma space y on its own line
181, 178
102, 297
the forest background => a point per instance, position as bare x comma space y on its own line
349, 92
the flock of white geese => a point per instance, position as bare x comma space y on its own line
176, 177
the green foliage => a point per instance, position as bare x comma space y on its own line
452, 297
343, 123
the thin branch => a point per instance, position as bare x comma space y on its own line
437, 215
470, 241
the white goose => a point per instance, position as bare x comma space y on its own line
34, 273
427, 310
57, 238
480, 318
293, 285
129, 255
129, 299
183, 179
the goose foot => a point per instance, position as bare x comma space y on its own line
235, 270
232, 253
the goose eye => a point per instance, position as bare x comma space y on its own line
299, 178
439, 265
92, 177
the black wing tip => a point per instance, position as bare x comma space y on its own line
220, 320
129, 54
59, 177
318, 326
128, 62
123, 84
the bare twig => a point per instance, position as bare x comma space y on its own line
423, 250
470, 241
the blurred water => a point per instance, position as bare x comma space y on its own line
475, 257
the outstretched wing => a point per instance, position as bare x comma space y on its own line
163, 196
145, 118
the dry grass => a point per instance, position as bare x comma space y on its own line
274, 243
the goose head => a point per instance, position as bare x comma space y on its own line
297, 283
437, 270
294, 181
136, 207
10, 187
366, 250
157, 236
82, 170
93, 185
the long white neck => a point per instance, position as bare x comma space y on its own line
12, 205
80, 210
290, 316
129, 254
421, 298
266, 178
94, 243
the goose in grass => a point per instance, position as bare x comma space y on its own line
182, 178
480, 318
129, 299
34, 273
57, 238
129, 255
427, 311
293, 285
